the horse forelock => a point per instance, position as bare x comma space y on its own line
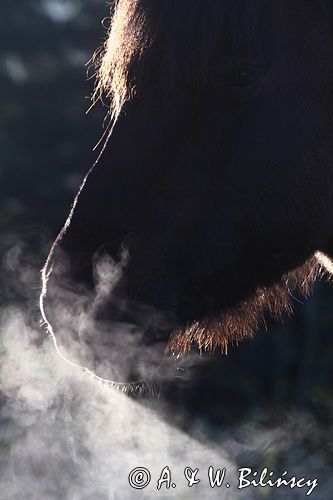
172, 41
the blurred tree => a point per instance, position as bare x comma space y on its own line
46, 143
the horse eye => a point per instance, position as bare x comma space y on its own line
242, 78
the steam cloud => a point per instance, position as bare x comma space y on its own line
64, 436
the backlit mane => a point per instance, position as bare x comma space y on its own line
177, 42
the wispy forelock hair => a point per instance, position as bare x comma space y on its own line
178, 40
126, 41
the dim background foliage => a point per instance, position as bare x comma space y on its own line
46, 141
46, 144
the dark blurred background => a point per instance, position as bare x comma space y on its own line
47, 145
46, 139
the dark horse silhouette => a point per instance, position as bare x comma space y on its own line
212, 201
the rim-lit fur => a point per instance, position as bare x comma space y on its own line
243, 321
170, 41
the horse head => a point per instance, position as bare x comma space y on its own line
211, 203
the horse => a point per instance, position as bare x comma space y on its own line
211, 204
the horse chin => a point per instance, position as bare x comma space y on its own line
135, 360
235, 324
164, 354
